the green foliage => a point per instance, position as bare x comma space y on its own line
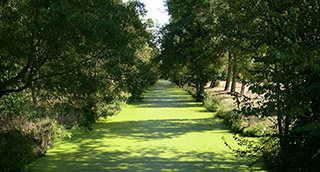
25, 133
21, 145
248, 126
234, 120
186, 56
80, 60
280, 38
16, 104
212, 102
257, 130
75, 55
105, 110
253, 148
15, 155
190, 90
276, 47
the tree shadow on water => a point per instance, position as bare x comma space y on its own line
166, 95
95, 151
167, 101
147, 145
152, 129
147, 160
168, 104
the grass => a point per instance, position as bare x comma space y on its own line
165, 132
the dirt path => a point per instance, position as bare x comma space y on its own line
166, 132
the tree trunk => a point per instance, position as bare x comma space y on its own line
202, 88
197, 88
229, 72
234, 77
213, 84
243, 87
200, 91
34, 96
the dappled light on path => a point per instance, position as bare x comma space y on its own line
165, 132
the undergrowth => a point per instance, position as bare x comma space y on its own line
28, 131
246, 125
24, 139
212, 102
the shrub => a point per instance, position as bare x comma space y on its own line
16, 150
225, 115
26, 132
190, 90
115, 106
233, 119
259, 129
212, 102
237, 125
22, 140
249, 126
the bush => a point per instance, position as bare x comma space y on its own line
16, 150
248, 126
237, 125
233, 119
26, 132
257, 130
22, 140
212, 102
190, 90
118, 102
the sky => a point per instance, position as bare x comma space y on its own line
156, 11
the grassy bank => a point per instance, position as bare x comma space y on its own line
223, 103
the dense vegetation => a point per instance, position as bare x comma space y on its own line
64, 64
272, 46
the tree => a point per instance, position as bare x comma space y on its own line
80, 60
282, 37
235, 70
229, 72
186, 52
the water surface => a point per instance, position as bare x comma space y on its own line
168, 131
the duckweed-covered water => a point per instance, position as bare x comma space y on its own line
165, 132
